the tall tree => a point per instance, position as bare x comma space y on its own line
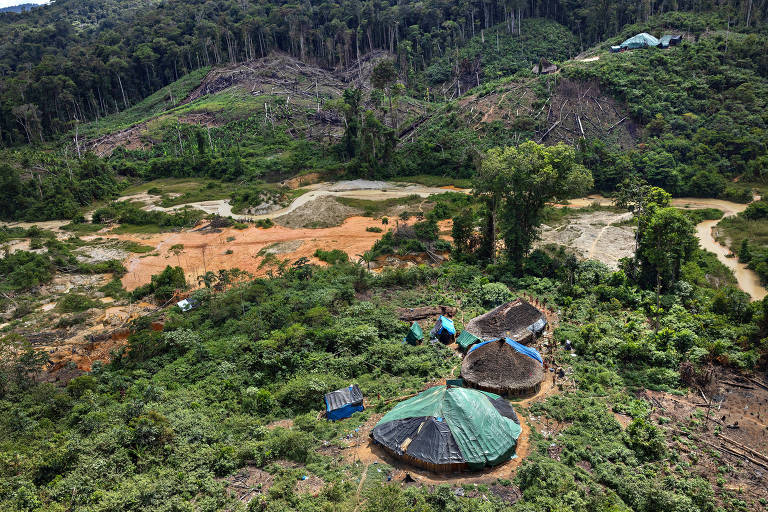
384, 77
667, 240
520, 182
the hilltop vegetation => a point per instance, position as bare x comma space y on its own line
178, 411
216, 408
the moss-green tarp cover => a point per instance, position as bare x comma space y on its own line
467, 339
415, 334
640, 41
484, 436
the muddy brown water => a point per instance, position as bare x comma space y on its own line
747, 279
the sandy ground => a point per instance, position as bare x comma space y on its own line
611, 243
593, 235
207, 250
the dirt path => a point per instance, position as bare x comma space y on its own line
353, 189
593, 249
360, 486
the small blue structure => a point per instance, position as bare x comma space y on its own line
343, 403
443, 330
528, 351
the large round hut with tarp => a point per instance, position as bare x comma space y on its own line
519, 320
447, 429
503, 366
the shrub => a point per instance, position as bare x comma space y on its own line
74, 303
332, 257
494, 294
646, 440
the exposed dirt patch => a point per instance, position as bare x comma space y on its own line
97, 254
593, 235
623, 419
248, 483
63, 283
302, 180
323, 212
207, 251
722, 431
282, 247
311, 485
286, 423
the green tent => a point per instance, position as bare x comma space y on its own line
415, 334
466, 339
450, 429
642, 40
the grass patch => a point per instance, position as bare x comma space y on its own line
332, 257
155, 104
435, 181
126, 229
136, 247
81, 228
210, 192
170, 186
700, 215
376, 208
732, 230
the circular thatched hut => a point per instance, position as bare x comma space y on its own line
519, 320
503, 366
447, 429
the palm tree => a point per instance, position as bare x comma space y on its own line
207, 279
366, 257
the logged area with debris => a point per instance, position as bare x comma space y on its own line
720, 428
293, 91
560, 110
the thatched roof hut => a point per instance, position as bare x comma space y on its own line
504, 367
447, 429
518, 320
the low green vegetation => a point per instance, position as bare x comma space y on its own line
75, 303
373, 208
700, 215
332, 257
25, 270
134, 219
434, 181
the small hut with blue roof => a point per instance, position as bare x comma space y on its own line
343, 402
444, 330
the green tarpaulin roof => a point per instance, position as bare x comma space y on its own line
415, 334
483, 435
466, 339
640, 41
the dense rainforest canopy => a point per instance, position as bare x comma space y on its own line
74, 61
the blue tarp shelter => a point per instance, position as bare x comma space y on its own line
670, 40
642, 40
343, 402
528, 351
444, 330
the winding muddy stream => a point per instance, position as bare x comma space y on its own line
747, 279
